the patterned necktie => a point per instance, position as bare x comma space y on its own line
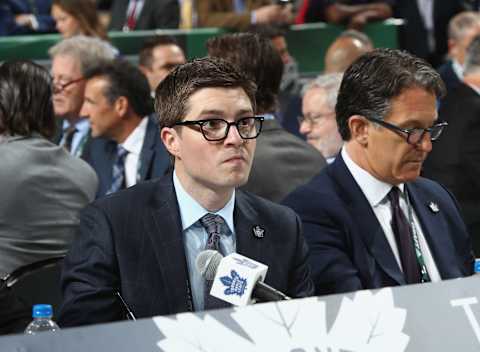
403, 237
216, 227
118, 173
132, 16
69, 133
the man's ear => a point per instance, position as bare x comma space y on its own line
121, 105
171, 140
359, 129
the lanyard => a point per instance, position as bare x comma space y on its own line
425, 277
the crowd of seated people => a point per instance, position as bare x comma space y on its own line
151, 163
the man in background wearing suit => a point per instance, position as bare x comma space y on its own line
282, 161
119, 107
129, 15
461, 31
455, 161
143, 242
369, 219
71, 58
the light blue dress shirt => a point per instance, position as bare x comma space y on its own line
195, 236
79, 138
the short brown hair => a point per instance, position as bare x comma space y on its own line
173, 92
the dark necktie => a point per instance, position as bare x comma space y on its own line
69, 133
216, 227
403, 237
118, 172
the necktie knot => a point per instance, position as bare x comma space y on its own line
215, 227
394, 196
121, 152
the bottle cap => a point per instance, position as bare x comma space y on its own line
42, 311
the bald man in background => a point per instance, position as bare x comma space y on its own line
348, 46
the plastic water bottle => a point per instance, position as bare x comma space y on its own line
42, 320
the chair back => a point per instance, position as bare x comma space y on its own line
37, 283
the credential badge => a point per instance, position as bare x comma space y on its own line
258, 231
433, 207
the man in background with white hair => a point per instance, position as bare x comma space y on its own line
71, 58
318, 123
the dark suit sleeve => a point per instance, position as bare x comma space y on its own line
332, 268
329, 249
90, 276
301, 284
167, 14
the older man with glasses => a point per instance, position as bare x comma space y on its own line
71, 58
369, 219
142, 243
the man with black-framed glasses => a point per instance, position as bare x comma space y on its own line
369, 219
143, 242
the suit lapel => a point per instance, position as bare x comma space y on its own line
163, 224
245, 218
433, 227
147, 153
367, 223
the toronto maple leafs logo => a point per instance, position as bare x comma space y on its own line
245, 262
235, 284
366, 322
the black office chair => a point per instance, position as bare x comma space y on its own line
35, 283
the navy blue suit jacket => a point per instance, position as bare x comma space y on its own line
131, 241
154, 158
449, 76
10, 8
348, 248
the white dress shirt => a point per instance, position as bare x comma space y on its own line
376, 192
133, 144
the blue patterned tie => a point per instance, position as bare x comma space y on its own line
216, 227
118, 173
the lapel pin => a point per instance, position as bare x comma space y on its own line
433, 207
258, 231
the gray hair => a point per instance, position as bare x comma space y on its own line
89, 51
330, 82
472, 56
461, 23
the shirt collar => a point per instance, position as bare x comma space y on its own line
374, 190
457, 69
81, 125
191, 211
134, 142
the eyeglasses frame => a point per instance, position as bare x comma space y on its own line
408, 131
200, 123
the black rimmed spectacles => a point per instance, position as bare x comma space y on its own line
413, 136
61, 85
217, 129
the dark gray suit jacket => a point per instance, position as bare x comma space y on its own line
155, 14
282, 162
131, 242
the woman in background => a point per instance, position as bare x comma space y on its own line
75, 17
42, 187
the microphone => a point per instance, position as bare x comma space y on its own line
236, 278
